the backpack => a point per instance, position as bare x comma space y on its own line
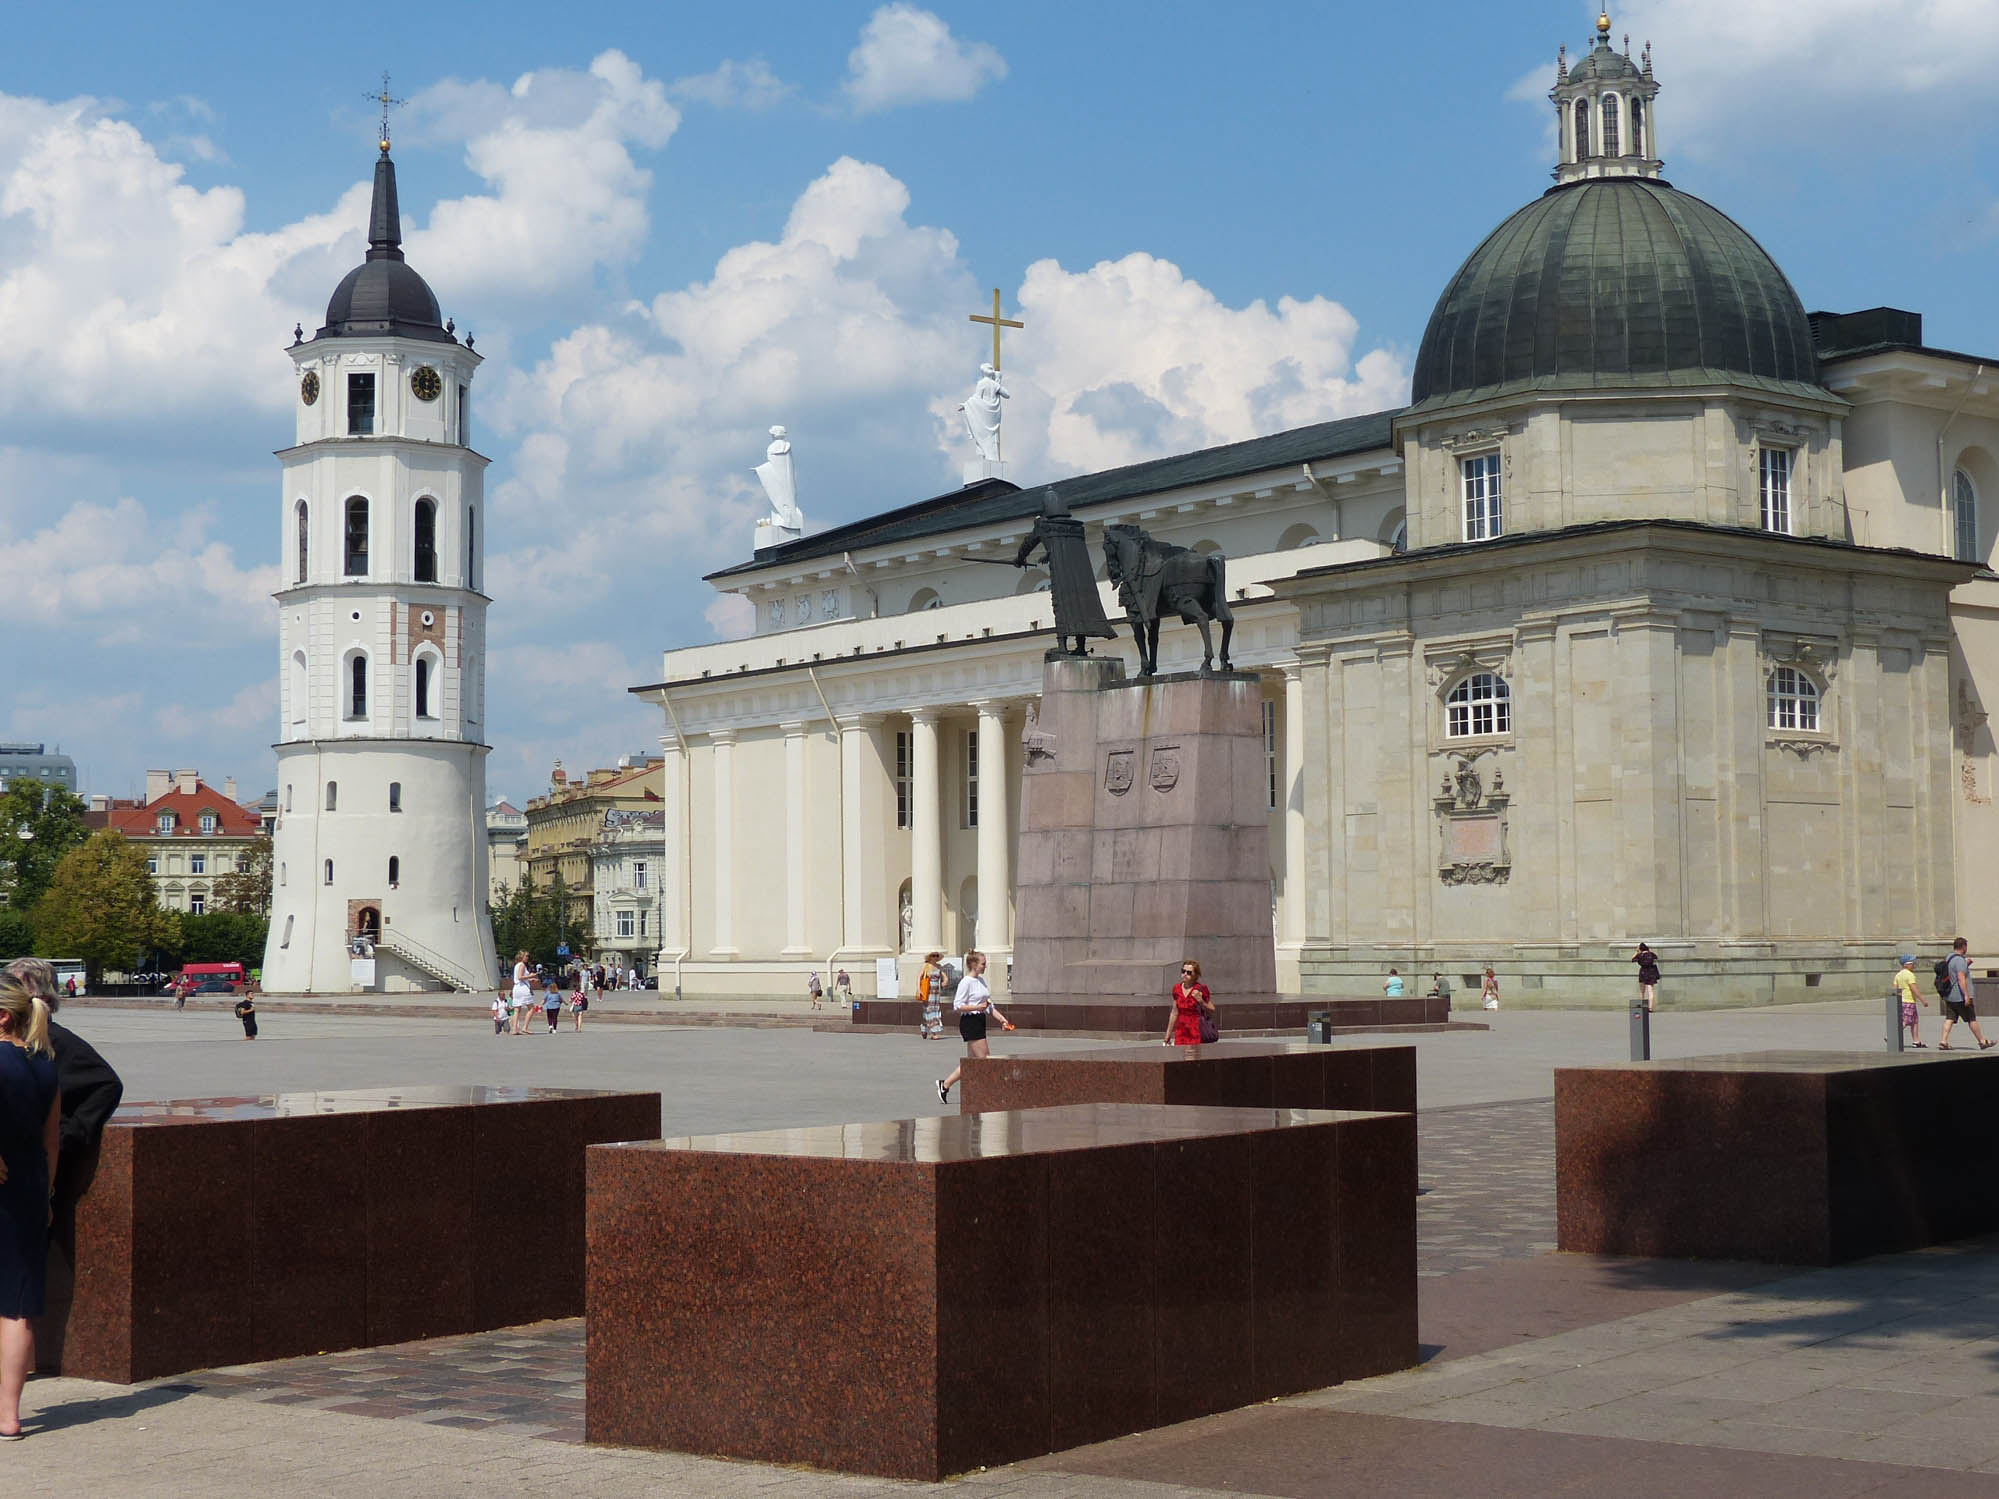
1946, 986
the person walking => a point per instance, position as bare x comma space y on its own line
812, 989
1958, 1004
1906, 991
1193, 1011
1393, 988
930, 994
523, 987
1488, 989
30, 1136
973, 1005
501, 1011
1648, 974
246, 1011
843, 991
580, 1002
551, 1005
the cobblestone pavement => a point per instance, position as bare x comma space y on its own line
1488, 1179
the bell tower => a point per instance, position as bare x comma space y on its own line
1604, 111
381, 645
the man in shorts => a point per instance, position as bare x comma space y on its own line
1957, 1004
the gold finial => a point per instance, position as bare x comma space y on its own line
1602, 25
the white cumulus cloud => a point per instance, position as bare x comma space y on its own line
907, 55
747, 85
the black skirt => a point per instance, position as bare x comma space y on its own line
972, 1025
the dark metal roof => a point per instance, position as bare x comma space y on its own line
1614, 282
992, 501
383, 294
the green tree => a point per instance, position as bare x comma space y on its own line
99, 907
247, 890
513, 920
17, 934
224, 937
52, 821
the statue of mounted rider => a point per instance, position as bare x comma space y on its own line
1155, 578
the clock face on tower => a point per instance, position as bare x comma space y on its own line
308, 388
426, 384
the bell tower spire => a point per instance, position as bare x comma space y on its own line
1604, 111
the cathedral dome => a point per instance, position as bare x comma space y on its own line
383, 294
1614, 282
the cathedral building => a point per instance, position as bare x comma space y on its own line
1664, 610
379, 854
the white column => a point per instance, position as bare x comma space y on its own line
860, 894
1291, 791
671, 884
926, 834
723, 746
797, 841
995, 818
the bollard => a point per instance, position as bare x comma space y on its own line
1641, 1033
1894, 1021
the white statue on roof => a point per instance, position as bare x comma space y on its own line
786, 522
981, 411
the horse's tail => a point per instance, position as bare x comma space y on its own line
1218, 585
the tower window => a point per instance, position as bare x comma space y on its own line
465, 416
360, 405
332, 795
1775, 489
1964, 518
286, 941
471, 546
1484, 509
1794, 700
1480, 704
395, 796
1610, 125
329, 871
426, 540
1582, 128
423, 687
302, 535
905, 779
357, 537
288, 796
1637, 127
357, 687
971, 778
395, 871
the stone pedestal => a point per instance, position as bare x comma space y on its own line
1229, 1074
924, 1296
236, 1230
1144, 839
1803, 1158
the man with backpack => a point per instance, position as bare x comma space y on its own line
1954, 988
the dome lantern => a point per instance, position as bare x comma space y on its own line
1605, 121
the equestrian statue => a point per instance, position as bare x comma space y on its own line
1079, 613
1156, 578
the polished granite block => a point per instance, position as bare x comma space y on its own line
1789, 1157
1084, 1012
999, 1285
1230, 1074
237, 1230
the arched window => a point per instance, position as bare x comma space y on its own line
357, 685
423, 687
1794, 700
332, 796
1964, 518
1301, 535
303, 533
395, 871
1480, 704
925, 598
329, 871
471, 546
426, 540
1582, 128
287, 940
1610, 125
1637, 127
301, 688
357, 537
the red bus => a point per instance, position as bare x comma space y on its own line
202, 973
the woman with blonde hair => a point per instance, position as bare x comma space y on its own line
973, 1003
30, 1126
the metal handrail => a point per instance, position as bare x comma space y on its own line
441, 967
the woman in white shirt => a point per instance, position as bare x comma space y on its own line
972, 1003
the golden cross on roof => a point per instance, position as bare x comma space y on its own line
998, 323
387, 104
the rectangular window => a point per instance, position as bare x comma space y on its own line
1270, 749
197, 864
1484, 515
197, 904
464, 416
1775, 486
395, 796
905, 780
153, 864
360, 405
642, 923
639, 874
971, 778
624, 923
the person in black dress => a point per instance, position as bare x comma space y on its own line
1072, 587
30, 1129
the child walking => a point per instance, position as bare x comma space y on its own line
1906, 991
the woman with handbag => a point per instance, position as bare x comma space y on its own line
1194, 1019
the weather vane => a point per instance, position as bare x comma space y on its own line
387, 104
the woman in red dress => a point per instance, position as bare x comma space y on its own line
1191, 1000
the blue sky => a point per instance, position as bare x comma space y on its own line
672, 226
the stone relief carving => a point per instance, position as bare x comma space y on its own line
1118, 768
1818, 657
1165, 773
1035, 746
1804, 749
1495, 657
1969, 720
1472, 825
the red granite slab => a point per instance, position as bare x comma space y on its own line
1779, 1157
1229, 1074
1083, 1012
236, 1230
999, 1284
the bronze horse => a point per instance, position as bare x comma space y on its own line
1156, 578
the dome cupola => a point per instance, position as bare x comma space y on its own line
1603, 111
383, 295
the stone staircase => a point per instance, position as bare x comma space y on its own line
428, 963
